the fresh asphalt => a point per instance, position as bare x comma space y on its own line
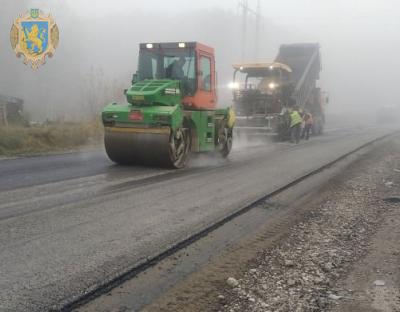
70, 222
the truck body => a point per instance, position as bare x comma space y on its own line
305, 61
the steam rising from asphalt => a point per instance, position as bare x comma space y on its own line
243, 148
206, 160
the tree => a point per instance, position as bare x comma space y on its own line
97, 91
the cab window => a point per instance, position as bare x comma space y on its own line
205, 73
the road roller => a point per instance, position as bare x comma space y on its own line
171, 109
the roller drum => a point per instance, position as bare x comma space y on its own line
148, 147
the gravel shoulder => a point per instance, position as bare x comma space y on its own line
332, 258
373, 283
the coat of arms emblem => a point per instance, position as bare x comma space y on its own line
34, 36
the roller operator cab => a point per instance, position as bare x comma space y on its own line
171, 110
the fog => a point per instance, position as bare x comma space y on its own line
99, 41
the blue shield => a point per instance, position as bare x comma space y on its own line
36, 36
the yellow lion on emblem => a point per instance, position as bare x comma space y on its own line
35, 39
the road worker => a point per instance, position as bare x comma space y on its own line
308, 124
295, 125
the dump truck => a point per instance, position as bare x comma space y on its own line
264, 93
305, 61
171, 109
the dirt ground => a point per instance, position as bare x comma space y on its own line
340, 251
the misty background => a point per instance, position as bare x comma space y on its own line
98, 49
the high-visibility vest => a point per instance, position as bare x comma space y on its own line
295, 119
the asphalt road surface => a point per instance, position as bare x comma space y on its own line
71, 222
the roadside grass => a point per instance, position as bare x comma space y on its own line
18, 140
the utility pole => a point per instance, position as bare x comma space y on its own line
257, 38
245, 7
246, 10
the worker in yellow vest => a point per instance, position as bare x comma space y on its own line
295, 125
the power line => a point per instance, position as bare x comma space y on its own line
246, 10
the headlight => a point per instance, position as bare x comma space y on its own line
272, 85
233, 85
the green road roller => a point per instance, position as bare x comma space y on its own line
171, 109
